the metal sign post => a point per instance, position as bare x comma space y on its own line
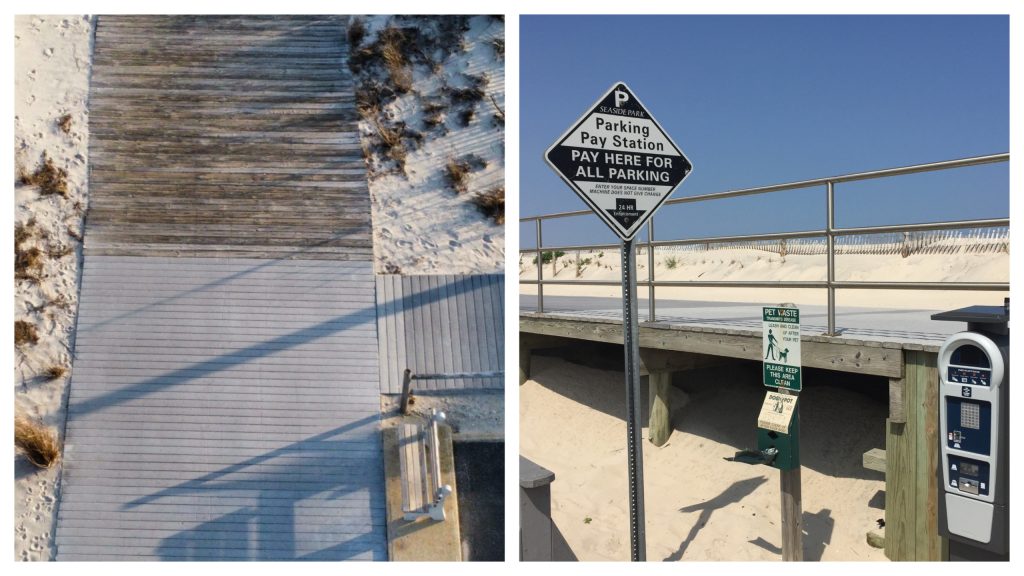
620, 161
634, 447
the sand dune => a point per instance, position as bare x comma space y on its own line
421, 225
52, 62
958, 263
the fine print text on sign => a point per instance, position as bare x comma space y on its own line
618, 159
776, 412
780, 347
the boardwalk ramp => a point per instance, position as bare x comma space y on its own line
224, 403
441, 325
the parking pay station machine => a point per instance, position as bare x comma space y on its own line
974, 440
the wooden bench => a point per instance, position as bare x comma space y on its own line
423, 494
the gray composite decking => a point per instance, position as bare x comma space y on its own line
441, 324
224, 402
913, 329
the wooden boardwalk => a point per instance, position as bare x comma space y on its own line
441, 325
224, 403
225, 136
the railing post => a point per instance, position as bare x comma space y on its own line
406, 390
830, 225
650, 270
540, 267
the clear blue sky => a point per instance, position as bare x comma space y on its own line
769, 99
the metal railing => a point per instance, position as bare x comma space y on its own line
830, 232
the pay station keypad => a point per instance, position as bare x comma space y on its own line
970, 415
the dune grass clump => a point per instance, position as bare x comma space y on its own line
492, 204
498, 44
356, 32
473, 92
28, 262
37, 442
499, 114
457, 171
25, 333
391, 141
64, 123
393, 45
55, 372
434, 114
370, 100
48, 178
457, 174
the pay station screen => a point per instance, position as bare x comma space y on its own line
969, 365
968, 469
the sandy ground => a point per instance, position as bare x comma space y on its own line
421, 226
473, 416
52, 61
699, 506
750, 265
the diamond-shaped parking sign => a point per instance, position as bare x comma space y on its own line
619, 160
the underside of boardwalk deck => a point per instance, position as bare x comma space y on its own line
224, 403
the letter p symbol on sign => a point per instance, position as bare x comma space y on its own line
620, 98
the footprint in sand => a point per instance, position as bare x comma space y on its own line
48, 52
404, 243
454, 244
427, 243
385, 233
488, 239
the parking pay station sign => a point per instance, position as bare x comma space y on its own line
780, 347
618, 159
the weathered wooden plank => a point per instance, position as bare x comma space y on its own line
929, 545
901, 479
835, 355
874, 459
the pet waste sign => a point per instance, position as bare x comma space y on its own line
780, 347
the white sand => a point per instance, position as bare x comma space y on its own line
420, 224
740, 264
477, 416
699, 506
52, 61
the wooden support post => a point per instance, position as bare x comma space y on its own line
912, 459
792, 516
792, 501
660, 419
524, 364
